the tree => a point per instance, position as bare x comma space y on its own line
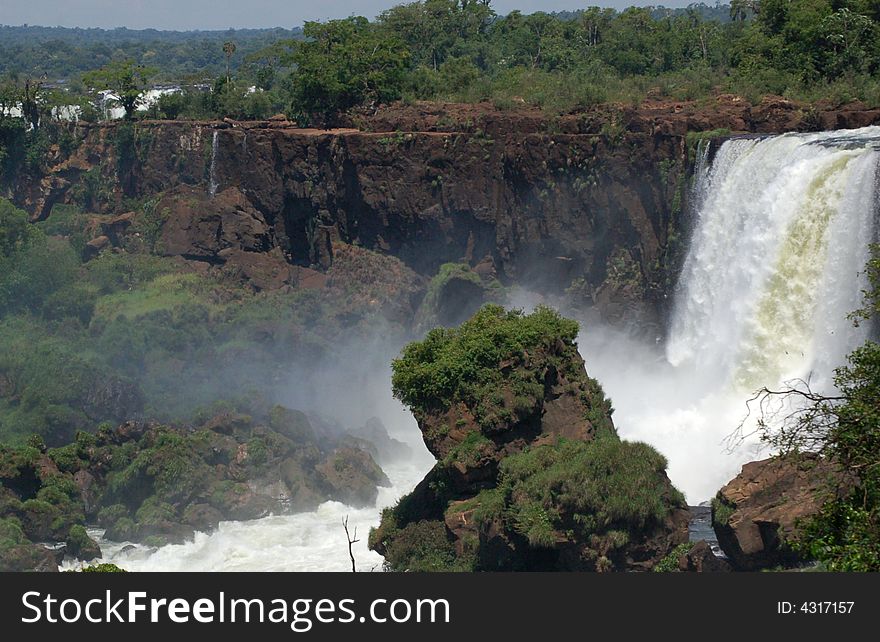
125, 79
346, 63
850, 36
741, 10
228, 49
435, 30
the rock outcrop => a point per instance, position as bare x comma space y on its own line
157, 484
701, 559
531, 474
758, 511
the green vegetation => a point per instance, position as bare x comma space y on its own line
343, 64
600, 491
111, 339
462, 364
602, 494
125, 79
462, 50
721, 512
62, 52
669, 564
158, 484
423, 547
103, 568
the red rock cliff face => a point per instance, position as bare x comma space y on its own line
587, 203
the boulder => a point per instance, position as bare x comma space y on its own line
199, 227
352, 476
701, 559
759, 510
27, 558
117, 227
93, 248
81, 545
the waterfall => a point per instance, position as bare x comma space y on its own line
212, 189
775, 264
777, 258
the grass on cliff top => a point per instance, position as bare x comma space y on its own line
456, 364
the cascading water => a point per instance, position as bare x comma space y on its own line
775, 265
309, 541
215, 144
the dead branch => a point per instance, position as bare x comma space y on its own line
793, 419
352, 539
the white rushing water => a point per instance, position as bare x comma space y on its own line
775, 264
215, 144
312, 541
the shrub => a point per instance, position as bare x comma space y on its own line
669, 564
605, 488
462, 364
103, 568
422, 547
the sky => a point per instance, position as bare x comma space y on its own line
223, 14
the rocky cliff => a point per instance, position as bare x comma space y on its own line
531, 474
587, 204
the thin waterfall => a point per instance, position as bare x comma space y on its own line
215, 144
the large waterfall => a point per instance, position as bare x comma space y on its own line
775, 264
777, 257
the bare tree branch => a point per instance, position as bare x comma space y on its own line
352, 539
794, 419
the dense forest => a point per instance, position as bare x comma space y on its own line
463, 51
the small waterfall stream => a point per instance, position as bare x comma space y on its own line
215, 144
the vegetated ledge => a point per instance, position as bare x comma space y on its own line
157, 484
531, 473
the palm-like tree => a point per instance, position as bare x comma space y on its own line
228, 49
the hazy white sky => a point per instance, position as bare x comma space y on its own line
222, 14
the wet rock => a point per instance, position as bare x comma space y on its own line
85, 482
81, 546
352, 477
701, 559
202, 517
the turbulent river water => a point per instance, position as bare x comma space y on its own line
775, 264
313, 541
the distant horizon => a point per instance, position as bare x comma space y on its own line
204, 15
